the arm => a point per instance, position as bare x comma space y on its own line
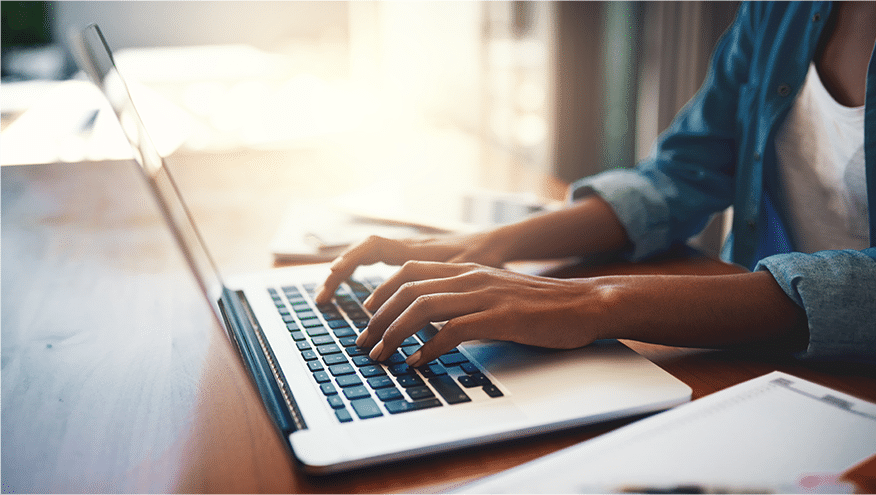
594, 226
480, 302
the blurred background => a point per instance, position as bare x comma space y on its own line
567, 88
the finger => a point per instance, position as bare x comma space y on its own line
425, 309
453, 333
412, 271
401, 299
372, 250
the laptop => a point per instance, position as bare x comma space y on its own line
338, 410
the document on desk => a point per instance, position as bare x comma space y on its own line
776, 433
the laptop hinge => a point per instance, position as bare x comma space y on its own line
261, 362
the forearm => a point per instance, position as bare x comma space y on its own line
705, 311
586, 227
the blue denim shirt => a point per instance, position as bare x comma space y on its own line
719, 151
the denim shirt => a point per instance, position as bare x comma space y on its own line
719, 151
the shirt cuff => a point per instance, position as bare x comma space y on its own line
836, 289
638, 205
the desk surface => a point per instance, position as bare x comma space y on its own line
114, 378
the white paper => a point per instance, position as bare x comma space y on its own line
767, 434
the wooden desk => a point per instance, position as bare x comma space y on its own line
115, 380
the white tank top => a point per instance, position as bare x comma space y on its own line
822, 186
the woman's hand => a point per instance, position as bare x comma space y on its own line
480, 302
483, 248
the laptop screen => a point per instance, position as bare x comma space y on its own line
95, 58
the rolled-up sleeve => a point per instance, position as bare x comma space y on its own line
837, 289
638, 205
690, 174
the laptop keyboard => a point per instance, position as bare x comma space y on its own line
355, 386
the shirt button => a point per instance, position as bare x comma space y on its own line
752, 225
816, 17
756, 156
783, 90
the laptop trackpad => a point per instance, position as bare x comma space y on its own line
534, 375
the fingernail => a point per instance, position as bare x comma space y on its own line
321, 296
414, 360
375, 353
362, 337
367, 303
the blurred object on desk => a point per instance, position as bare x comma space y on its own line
311, 232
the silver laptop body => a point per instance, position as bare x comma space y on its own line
337, 410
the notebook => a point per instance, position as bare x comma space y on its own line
335, 408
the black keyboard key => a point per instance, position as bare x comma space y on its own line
357, 392
344, 332
328, 389
345, 381
409, 350
469, 368
309, 355
492, 391
297, 336
427, 333
467, 381
312, 323
335, 401
341, 369
323, 340
303, 345
363, 361
396, 358
347, 341
343, 415
400, 369
292, 327
316, 331
432, 369
388, 394
314, 365
452, 359
408, 381
355, 351
410, 341
337, 324
366, 408
334, 359
417, 393
371, 370
321, 376
448, 389
381, 381
400, 406
481, 379
287, 318
328, 349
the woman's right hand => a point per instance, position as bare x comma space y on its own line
481, 248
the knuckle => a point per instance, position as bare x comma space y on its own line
424, 303
412, 265
407, 288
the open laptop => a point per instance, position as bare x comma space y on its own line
336, 408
